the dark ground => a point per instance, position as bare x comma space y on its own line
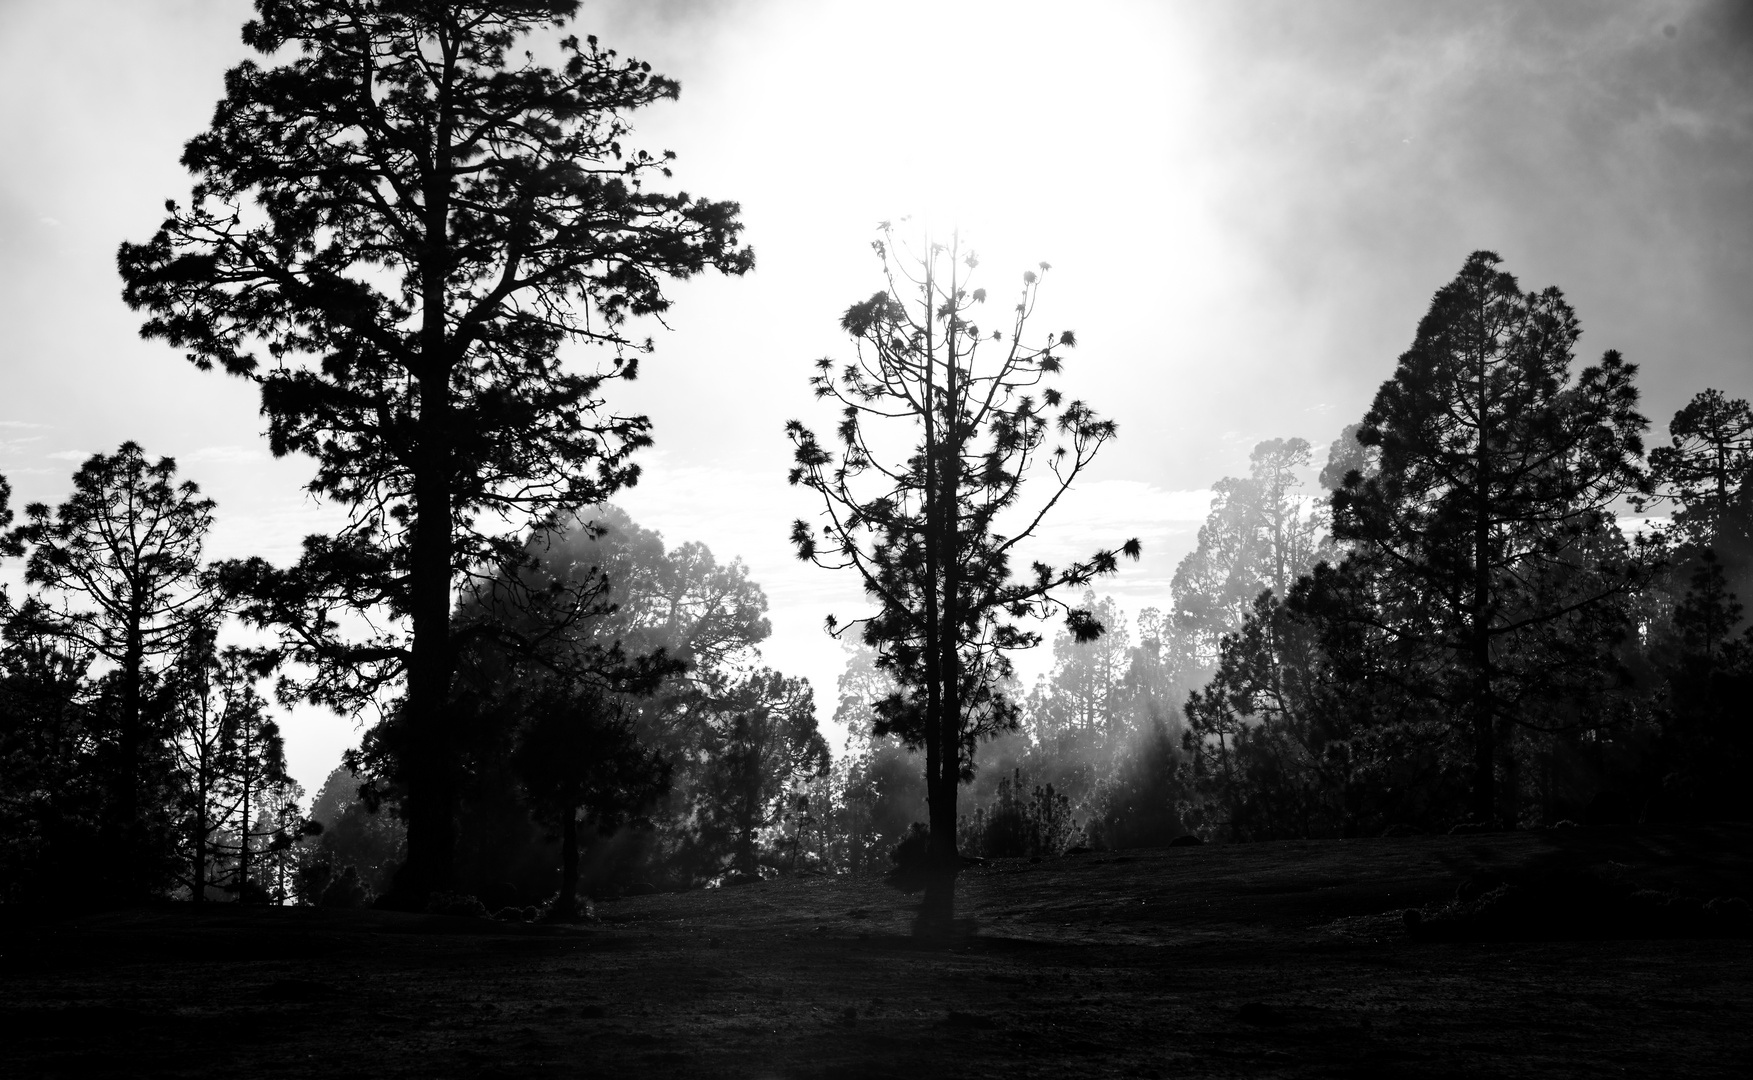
1284, 959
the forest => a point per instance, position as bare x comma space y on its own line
1498, 600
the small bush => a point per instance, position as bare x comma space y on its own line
911, 859
555, 912
460, 904
1021, 823
345, 890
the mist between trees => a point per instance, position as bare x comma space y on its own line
1489, 609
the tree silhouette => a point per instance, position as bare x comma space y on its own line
1081, 697
762, 747
1258, 769
1483, 544
230, 763
118, 566
1703, 474
879, 788
646, 706
1260, 534
393, 233
351, 836
52, 798
940, 426
578, 753
1705, 468
1705, 702
542, 692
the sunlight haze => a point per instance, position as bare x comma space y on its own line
1246, 208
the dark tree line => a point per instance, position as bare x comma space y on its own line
618, 730
1486, 642
139, 757
1461, 628
430, 253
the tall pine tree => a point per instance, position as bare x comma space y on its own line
395, 227
1485, 540
119, 571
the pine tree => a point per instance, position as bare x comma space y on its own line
1484, 541
119, 573
52, 763
931, 529
230, 765
1261, 534
392, 233
1705, 468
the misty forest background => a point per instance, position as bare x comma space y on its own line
1501, 597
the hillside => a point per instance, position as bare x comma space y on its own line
1285, 959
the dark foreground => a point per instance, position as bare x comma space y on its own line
1287, 959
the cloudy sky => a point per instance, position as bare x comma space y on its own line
1247, 206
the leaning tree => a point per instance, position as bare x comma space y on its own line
397, 222
941, 424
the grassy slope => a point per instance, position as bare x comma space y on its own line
1127, 964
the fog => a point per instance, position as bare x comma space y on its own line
1246, 206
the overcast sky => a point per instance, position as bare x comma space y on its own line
1247, 206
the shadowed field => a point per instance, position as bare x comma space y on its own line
1283, 959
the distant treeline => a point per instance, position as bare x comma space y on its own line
137, 756
617, 716
1461, 629
1479, 637
399, 245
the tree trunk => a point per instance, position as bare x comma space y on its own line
1229, 785
430, 766
1510, 797
567, 903
243, 839
937, 907
1484, 793
198, 862
1484, 719
937, 910
430, 802
430, 799
129, 830
746, 862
